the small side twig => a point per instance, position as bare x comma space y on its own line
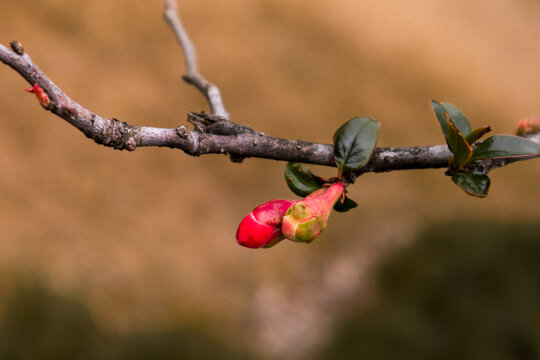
192, 76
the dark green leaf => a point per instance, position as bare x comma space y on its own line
354, 143
457, 117
447, 111
477, 134
440, 113
472, 182
458, 145
346, 205
505, 146
300, 180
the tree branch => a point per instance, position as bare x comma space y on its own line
210, 91
212, 135
215, 135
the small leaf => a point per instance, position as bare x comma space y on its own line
473, 183
447, 111
300, 180
440, 113
458, 145
346, 205
477, 134
457, 117
354, 143
505, 146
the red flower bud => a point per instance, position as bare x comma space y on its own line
41, 95
262, 227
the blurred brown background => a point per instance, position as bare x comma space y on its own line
146, 239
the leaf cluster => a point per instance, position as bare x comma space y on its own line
466, 151
354, 143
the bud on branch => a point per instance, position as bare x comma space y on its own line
41, 95
262, 227
307, 218
300, 221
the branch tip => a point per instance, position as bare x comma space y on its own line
192, 76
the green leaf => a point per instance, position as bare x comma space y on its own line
300, 180
346, 205
354, 143
440, 113
477, 134
458, 145
447, 111
472, 182
457, 117
505, 146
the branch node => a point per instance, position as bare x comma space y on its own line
17, 47
113, 133
182, 131
131, 145
188, 79
350, 177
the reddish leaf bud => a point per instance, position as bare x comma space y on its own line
41, 95
530, 125
262, 227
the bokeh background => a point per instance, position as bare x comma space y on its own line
137, 250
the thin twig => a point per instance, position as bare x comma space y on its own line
192, 76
